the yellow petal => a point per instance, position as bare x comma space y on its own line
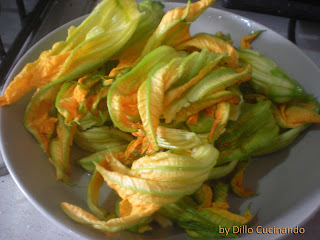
217, 97
150, 103
86, 48
68, 105
213, 44
245, 42
292, 116
37, 118
299, 114
176, 93
221, 116
34, 75
60, 148
220, 193
240, 220
112, 225
125, 208
174, 26
144, 228
94, 186
247, 214
237, 183
204, 196
193, 119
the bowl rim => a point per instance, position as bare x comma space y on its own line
77, 21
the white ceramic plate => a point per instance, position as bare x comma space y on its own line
287, 182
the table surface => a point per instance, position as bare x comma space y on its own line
20, 220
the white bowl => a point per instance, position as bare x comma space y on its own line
287, 182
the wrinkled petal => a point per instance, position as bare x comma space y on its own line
174, 26
212, 43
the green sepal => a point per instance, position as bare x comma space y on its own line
269, 79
